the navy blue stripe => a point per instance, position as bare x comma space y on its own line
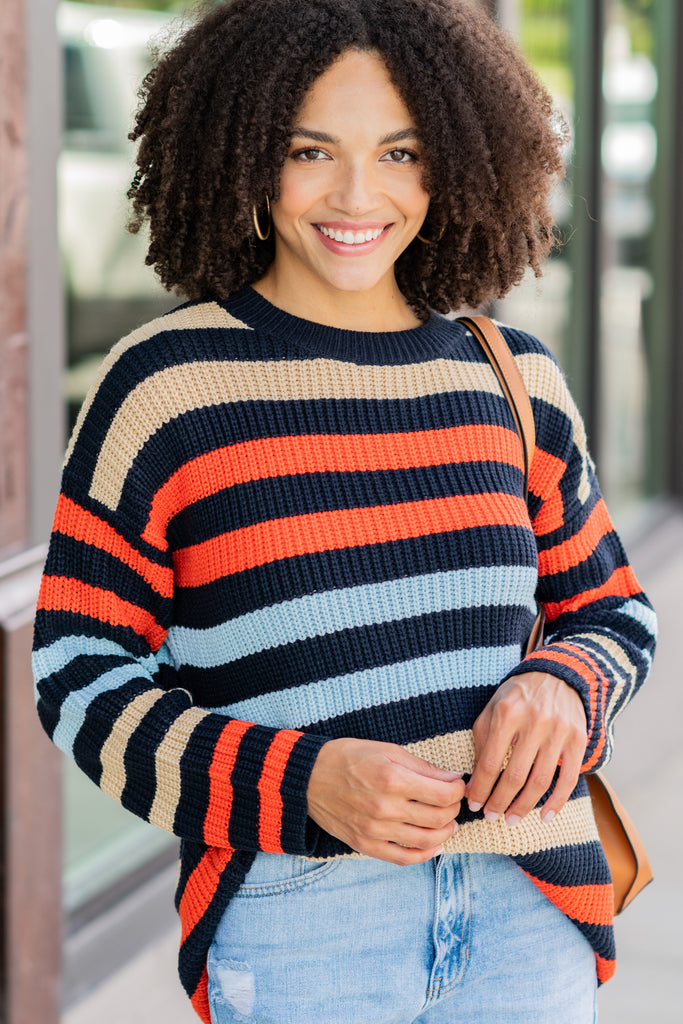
213, 603
194, 777
243, 831
97, 568
79, 673
199, 431
353, 650
596, 567
301, 494
411, 720
97, 724
195, 948
558, 866
606, 612
139, 758
52, 625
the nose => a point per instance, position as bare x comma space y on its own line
356, 189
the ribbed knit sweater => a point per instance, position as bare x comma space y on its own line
323, 532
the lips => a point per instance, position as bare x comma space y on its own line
348, 236
346, 239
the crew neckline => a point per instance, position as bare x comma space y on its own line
414, 344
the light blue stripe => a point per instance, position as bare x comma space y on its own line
58, 655
320, 614
328, 698
75, 707
642, 614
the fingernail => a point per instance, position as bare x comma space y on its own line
473, 806
455, 826
441, 849
491, 815
548, 816
512, 820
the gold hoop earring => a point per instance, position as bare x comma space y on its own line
263, 235
428, 241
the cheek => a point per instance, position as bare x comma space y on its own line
297, 194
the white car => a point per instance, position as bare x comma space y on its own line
109, 288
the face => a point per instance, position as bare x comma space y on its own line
351, 196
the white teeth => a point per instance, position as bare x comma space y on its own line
351, 237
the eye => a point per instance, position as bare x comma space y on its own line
400, 156
309, 156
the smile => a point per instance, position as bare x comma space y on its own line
350, 237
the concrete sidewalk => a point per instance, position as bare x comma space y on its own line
647, 771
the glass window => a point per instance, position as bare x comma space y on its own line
606, 357
108, 291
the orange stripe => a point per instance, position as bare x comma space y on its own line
323, 453
74, 521
622, 583
272, 773
605, 968
262, 543
222, 765
200, 999
546, 472
590, 904
579, 547
60, 593
201, 887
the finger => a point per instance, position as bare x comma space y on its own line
400, 855
512, 781
432, 792
411, 837
539, 781
422, 767
566, 783
487, 770
425, 816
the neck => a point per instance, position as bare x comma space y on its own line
378, 310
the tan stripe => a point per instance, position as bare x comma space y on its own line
209, 314
544, 380
180, 389
113, 780
167, 767
574, 823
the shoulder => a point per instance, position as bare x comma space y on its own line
143, 369
541, 372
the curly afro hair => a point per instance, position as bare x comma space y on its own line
214, 130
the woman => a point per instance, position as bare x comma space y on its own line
297, 501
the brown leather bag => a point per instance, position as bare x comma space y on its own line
624, 849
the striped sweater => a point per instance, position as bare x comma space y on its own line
271, 533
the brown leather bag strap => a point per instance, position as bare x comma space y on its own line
624, 849
514, 389
505, 369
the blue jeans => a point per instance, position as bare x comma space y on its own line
463, 939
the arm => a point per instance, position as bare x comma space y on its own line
560, 704
108, 693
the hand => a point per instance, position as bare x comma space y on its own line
383, 801
543, 720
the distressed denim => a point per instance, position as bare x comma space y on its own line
463, 939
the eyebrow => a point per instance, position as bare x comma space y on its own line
402, 135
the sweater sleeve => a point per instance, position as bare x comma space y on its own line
109, 696
600, 628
